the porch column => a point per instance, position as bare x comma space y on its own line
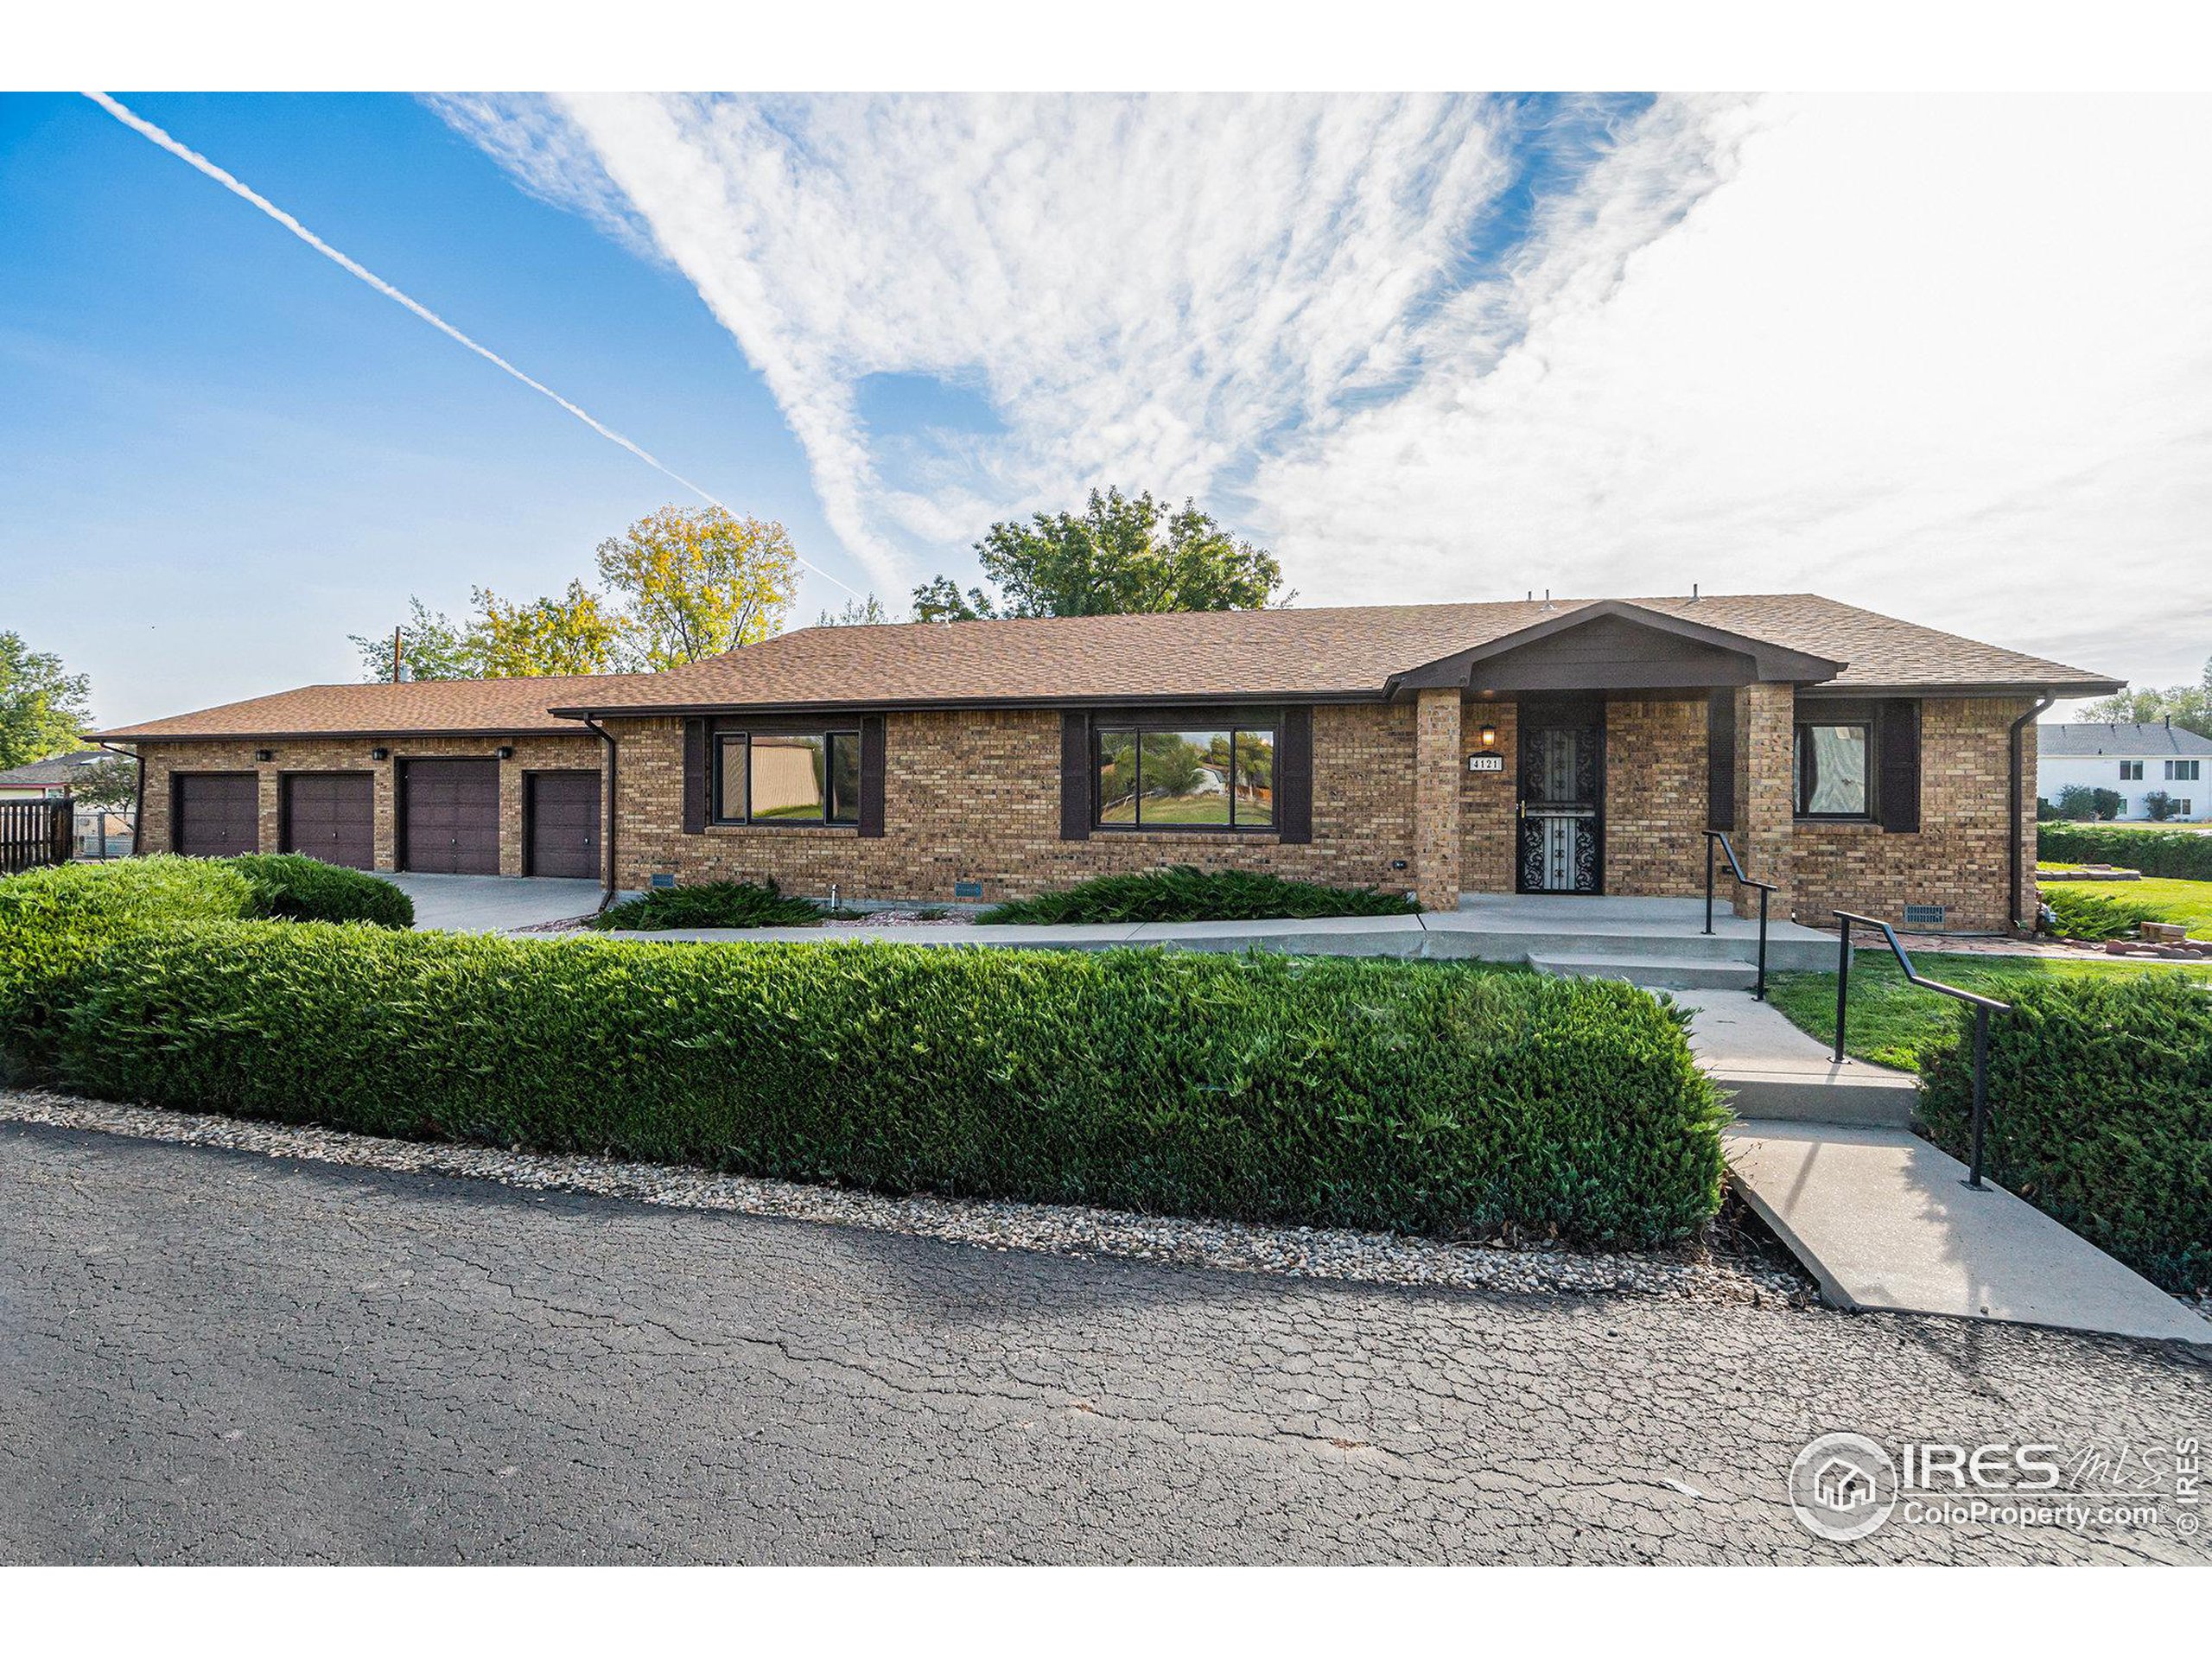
1438, 759
1766, 793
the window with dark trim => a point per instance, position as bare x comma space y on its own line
787, 777
1835, 763
2183, 772
1193, 776
2131, 771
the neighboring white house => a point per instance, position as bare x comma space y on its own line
2134, 760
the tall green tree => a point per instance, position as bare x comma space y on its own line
575, 633
2188, 707
1122, 554
857, 613
696, 582
432, 646
44, 709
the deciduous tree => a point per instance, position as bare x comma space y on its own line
432, 647
2188, 707
1122, 554
576, 633
43, 707
696, 581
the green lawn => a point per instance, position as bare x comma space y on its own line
2187, 902
1893, 1022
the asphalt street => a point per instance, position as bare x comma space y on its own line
214, 1357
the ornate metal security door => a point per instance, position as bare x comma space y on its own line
1562, 789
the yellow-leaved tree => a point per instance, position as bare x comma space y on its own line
576, 633
698, 581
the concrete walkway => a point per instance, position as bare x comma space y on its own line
1772, 1070
494, 903
1884, 1221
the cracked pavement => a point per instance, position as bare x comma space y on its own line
208, 1356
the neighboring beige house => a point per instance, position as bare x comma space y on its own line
1570, 747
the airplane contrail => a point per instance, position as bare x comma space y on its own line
146, 129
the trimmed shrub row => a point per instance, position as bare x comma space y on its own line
2101, 1113
710, 904
1183, 892
2178, 852
2078, 912
53, 921
1435, 1098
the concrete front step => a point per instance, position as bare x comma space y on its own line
1661, 973
1772, 1071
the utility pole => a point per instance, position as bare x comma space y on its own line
399, 650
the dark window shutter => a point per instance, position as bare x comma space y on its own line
1897, 790
1294, 777
694, 777
871, 774
1720, 760
1075, 776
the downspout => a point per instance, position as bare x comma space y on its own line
614, 756
138, 796
2018, 764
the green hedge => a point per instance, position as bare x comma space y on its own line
2079, 912
1425, 1097
2178, 852
1183, 892
709, 903
54, 919
2101, 1113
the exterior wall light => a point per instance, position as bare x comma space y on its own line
264, 754
1488, 737
505, 751
380, 754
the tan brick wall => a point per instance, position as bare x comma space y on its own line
1489, 825
1440, 762
1654, 796
1959, 858
1764, 837
974, 797
532, 755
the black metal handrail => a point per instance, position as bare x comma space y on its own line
1983, 1007
1736, 869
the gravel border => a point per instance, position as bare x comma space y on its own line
1731, 1267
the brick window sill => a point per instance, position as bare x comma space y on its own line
777, 831
1190, 837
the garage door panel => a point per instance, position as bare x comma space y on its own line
332, 816
564, 823
452, 816
218, 814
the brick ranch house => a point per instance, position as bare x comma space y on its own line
1576, 747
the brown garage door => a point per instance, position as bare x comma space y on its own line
218, 814
329, 815
451, 814
563, 811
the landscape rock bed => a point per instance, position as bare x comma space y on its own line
1731, 1265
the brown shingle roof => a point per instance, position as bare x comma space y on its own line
476, 708
1349, 651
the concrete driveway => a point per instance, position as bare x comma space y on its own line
217, 1356
494, 903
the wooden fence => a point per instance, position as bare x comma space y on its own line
35, 832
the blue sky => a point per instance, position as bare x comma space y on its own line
1943, 357
226, 454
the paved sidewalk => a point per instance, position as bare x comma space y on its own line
1884, 1220
1773, 1070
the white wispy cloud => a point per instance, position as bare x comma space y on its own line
1947, 357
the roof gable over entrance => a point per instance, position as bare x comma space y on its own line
1616, 645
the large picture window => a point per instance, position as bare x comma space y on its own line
1833, 779
1219, 777
787, 777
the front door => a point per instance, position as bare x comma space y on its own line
1562, 790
